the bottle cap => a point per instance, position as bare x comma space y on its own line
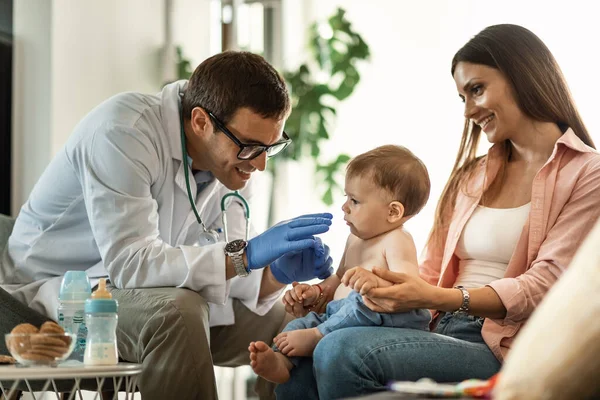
75, 286
101, 300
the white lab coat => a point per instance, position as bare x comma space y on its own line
113, 202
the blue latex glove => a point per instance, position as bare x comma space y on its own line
292, 235
304, 265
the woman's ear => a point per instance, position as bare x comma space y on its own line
395, 212
200, 122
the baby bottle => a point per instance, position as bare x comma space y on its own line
101, 320
75, 289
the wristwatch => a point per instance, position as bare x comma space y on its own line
235, 249
464, 307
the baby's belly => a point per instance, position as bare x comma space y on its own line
341, 292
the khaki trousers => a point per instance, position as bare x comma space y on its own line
167, 331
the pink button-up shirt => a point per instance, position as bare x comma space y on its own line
565, 203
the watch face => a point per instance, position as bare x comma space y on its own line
235, 246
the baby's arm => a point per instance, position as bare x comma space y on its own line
331, 284
313, 297
362, 280
400, 252
400, 255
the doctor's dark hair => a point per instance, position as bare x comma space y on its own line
539, 89
396, 170
231, 80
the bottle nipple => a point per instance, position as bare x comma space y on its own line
101, 292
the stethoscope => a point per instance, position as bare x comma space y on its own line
211, 236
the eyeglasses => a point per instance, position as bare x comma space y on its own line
251, 151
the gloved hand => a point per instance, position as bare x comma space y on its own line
292, 235
304, 265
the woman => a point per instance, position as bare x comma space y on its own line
506, 227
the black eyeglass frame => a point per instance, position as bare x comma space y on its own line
265, 148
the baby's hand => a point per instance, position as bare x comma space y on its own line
300, 293
311, 295
362, 280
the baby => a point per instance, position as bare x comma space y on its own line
385, 187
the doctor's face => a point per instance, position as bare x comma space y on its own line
222, 151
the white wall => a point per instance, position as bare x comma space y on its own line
31, 95
70, 55
407, 96
100, 48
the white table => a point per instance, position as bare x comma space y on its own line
122, 375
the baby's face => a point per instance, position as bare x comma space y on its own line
366, 208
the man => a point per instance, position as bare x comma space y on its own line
115, 202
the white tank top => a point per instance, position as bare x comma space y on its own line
487, 243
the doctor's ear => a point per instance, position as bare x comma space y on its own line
395, 212
201, 122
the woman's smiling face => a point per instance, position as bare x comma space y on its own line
489, 101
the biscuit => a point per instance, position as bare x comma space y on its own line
18, 342
7, 360
34, 356
65, 339
51, 327
50, 351
44, 340
24, 328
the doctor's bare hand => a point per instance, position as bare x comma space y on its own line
407, 292
293, 235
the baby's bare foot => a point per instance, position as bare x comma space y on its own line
272, 366
298, 343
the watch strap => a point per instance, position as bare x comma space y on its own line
238, 264
466, 300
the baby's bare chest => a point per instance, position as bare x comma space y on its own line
366, 255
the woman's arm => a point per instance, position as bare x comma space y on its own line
531, 371
409, 292
484, 302
522, 294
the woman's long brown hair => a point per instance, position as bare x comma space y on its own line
540, 91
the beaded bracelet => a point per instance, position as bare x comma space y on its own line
321, 294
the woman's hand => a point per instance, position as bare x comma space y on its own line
406, 293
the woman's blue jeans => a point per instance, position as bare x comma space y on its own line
362, 360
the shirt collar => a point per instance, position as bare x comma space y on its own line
201, 177
568, 139
494, 158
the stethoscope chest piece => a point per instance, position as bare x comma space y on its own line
208, 237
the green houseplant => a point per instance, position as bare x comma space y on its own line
317, 86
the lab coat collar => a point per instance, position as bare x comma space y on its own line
171, 121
